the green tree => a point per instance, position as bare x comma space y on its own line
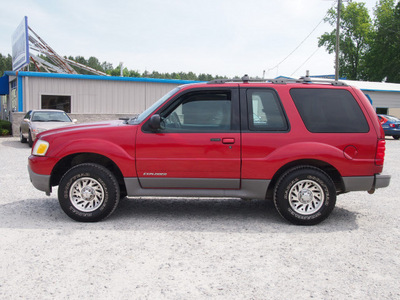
93, 62
114, 72
134, 73
106, 66
355, 29
383, 57
205, 77
5, 63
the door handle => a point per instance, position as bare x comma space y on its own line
228, 141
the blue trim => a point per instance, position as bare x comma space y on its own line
372, 90
332, 77
284, 77
20, 94
369, 98
4, 85
98, 77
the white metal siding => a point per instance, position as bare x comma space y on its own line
95, 96
384, 99
126, 97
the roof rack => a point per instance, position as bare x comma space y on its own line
303, 79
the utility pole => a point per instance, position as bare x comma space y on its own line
339, 6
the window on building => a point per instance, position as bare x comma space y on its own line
382, 110
56, 102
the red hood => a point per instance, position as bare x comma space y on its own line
82, 128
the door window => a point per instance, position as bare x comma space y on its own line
199, 112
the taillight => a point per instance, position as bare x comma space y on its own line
392, 125
380, 152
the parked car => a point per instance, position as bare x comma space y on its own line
299, 143
390, 125
36, 121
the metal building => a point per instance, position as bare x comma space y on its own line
84, 97
385, 97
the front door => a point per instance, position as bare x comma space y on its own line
198, 145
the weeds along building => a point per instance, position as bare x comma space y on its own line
89, 98
86, 98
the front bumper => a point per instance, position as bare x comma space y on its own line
41, 182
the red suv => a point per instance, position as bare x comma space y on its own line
300, 143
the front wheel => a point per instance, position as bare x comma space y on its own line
22, 139
30, 139
88, 192
305, 195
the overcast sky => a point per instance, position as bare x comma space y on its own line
220, 37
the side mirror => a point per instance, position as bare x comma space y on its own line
26, 120
74, 121
155, 122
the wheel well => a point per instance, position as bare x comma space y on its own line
327, 168
68, 162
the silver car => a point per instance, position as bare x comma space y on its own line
36, 121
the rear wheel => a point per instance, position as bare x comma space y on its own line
396, 137
305, 195
88, 192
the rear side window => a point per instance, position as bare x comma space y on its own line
265, 111
329, 111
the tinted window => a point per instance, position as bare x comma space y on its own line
265, 112
329, 110
199, 112
56, 102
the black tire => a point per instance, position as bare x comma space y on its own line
22, 139
96, 192
305, 195
30, 141
396, 137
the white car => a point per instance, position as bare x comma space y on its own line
36, 121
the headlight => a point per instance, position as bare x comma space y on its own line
40, 148
38, 130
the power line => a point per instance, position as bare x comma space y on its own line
305, 61
301, 43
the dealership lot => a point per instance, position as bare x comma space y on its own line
195, 248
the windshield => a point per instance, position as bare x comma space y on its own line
152, 108
50, 116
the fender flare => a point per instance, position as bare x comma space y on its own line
122, 159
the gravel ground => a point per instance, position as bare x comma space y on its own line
195, 248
